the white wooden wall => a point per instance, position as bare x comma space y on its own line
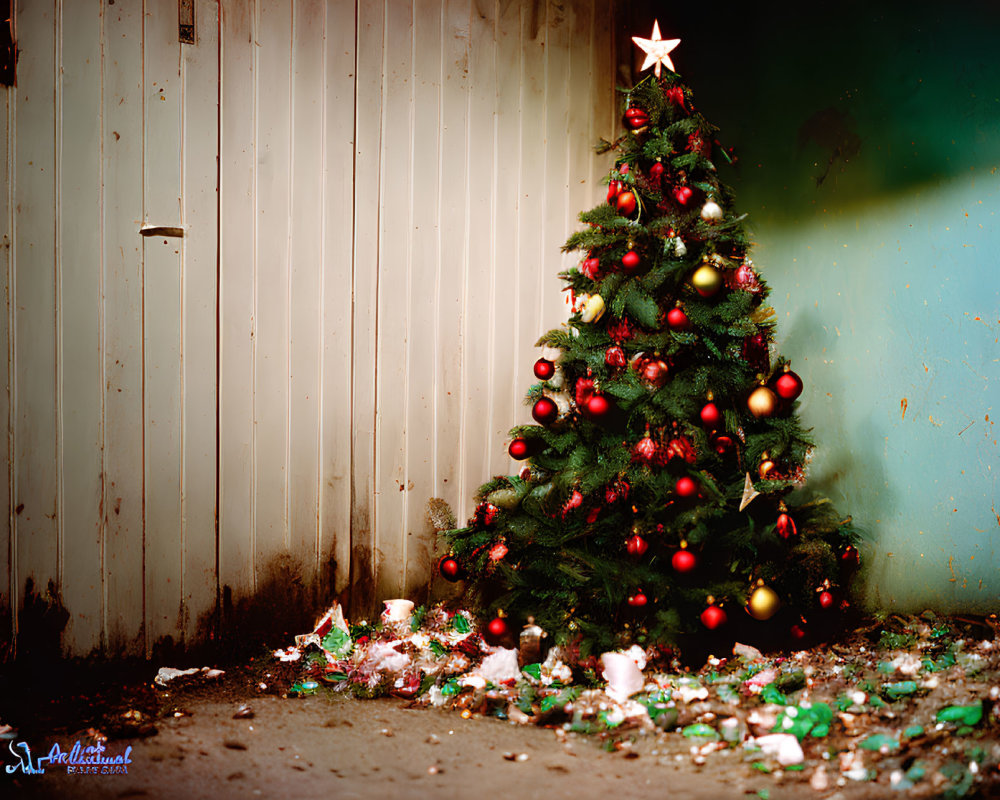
373, 196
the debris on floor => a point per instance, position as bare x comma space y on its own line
907, 703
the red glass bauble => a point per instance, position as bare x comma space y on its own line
675, 94
788, 386
626, 203
450, 569
678, 320
710, 415
544, 411
636, 545
645, 450
598, 407
496, 629
683, 561
519, 449
654, 371
614, 187
786, 526
682, 194
713, 617
614, 356
544, 369
637, 600
755, 351
850, 558
797, 632
591, 267
630, 261
583, 391
636, 118
656, 171
826, 599
722, 444
686, 487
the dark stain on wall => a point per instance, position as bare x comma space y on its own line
40, 624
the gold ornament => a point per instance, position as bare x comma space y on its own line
706, 280
592, 309
762, 402
763, 603
766, 465
657, 50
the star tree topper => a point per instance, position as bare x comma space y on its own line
657, 50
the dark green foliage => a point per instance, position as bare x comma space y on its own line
588, 488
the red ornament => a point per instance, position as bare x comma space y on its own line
620, 330
519, 449
584, 390
713, 617
788, 386
755, 352
496, 630
498, 551
636, 546
598, 407
797, 632
682, 194
591, 267
616, 492
677, 319
722, 444
656, 171
681, 448
686, 487
575, 501
683, 561
450, 569
850, 558
544, 411
826, 599
637, 600
623, 169
615, 357
645, 451
710, 415
614, 188
593, 514
636, 118
675, 94
485, 515
630, 261
654, 372
626, 203
786, 526
544, 369
743, 277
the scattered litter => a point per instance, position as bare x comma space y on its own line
244, 712
167, 674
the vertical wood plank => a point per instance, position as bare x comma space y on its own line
581, 110
452, 210
162, 313
123, 337
199, 344
82, 363
533, 259
336, 278
559, 27
237, 254
393, 300
510, 385
8, 591
36, 453
308, 83
273, 135
366, 264
481, 439
422, 466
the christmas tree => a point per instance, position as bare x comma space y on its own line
655, 496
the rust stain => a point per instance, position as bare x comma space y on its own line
902, 407
951, 566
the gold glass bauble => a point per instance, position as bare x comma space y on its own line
762, 402
706, 280
763, 603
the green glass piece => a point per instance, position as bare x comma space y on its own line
460, 623
914, 730
700, 730
533, 670
337, 642
967, 715
877, 741
896, 690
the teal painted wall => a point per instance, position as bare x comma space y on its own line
869, 164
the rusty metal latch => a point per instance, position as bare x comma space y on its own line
185, 21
